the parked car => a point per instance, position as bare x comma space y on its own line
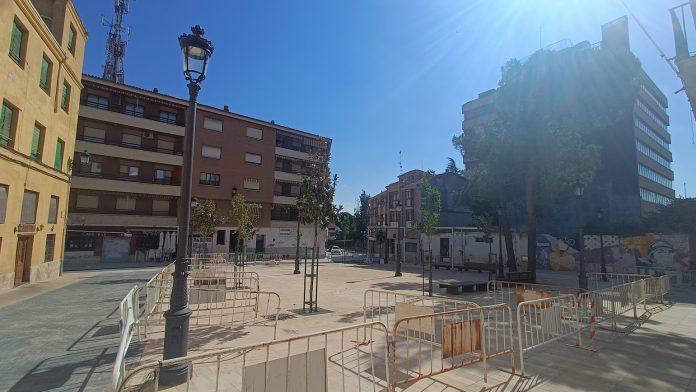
336, 251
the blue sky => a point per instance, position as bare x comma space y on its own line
376, 76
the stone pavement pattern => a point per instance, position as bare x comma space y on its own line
657, 356
66, 337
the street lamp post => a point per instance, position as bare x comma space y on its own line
601, 246
501, 267
582, 277
196, 52
399, 209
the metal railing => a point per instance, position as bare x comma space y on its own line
543, 321
344, 359
514, 293
598, 280
129, 311
430, 344
123, 109
388, 306
121, 143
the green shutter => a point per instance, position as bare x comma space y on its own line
35, 142
64, 97
16, 43
43, 81
58, 163
5, 125
71, 40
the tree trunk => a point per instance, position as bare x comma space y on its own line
297, 250
531, 225
430, 266
509, 246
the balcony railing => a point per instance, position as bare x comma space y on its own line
125, 177
284, 215
121, 212
128, 145
286, 194
122, 109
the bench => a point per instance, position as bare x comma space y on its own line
454, 287
480, 267
521, 276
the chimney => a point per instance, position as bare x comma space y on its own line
155, 90
226, 108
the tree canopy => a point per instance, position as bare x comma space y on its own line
204, 217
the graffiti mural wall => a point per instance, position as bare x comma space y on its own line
621, 254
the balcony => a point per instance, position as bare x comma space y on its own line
287, 176
120, 218
117, 183
119, 115
284, 214
119, 149
285, 199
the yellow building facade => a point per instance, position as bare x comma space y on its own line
42, 46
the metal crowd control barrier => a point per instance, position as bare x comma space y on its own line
129, 310
598, 280
428, 345
514, 293
388, 306
344, 359
543, 321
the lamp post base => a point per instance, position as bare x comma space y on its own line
176, 346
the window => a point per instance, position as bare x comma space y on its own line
212, 124
87, 202
652, 175
79, 242
94, 135
651, 133
254, 133
37, 140
135, 110
97, 101
163, 176
647, 110
652, 197
7, 124
220, 240
53, 210
29, 207
45, 76
160, 207
50, 247
210, 179
252, 184
652, 154
58, 161
211, 152
71, 39
252, 158
125, 204
128, 170
94, 168
65, 97
130, 140
3, 202
166, 146
167, 117
17, 43
411, 247
409, 197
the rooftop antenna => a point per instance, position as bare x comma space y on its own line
401, 167
116, 42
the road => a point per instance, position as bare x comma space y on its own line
65, 339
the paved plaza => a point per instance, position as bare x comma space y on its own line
64, 337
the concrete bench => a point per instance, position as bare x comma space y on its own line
455, 287
521, 276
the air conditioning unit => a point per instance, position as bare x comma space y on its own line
148, 135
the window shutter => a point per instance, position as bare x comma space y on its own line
58, 162
43, 82
5, 124
64, 97
16, 43
35, 141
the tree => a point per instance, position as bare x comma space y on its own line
452, 167
362, 216
678, 217
346, 226
205, 218
550, 112
429, 216
485, 223
245, 214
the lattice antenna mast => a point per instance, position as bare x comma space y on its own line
116, 43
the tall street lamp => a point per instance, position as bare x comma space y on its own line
501, 268
399, 210
196, 52
582, 278
601, 245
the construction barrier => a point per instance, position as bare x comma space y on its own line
129, 310
426, 345
514, 293
598, 280
388, 306
344, 359
543, 321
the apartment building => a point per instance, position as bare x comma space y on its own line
127, 174
261, 160
41, 53
635, 176
393, 213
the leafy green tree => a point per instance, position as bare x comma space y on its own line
245, 214
429, 217
204, 217
550, 114
362, 217
678, 217
346, 226
452, 167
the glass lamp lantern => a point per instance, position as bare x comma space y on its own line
196, 52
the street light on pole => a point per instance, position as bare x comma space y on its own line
196, 52
399, 210
601, 245
582, 278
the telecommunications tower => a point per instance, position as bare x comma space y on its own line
116, 44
